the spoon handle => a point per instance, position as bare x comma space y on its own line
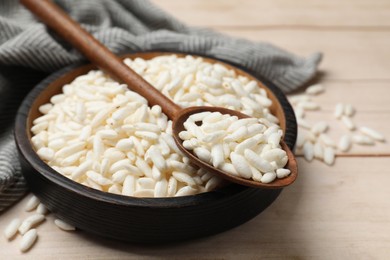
97, 53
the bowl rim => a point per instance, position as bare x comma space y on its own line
26, 149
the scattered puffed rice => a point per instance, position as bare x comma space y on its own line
349, 110
320, 127
41, 209
339, 110
329, 155
28, 240
324, 147
308, 105
25, 228
308, 151
30, 222
362, 139
345, 143
372, 133
12, 228
63, 225
32, 203
315, 89
348, 122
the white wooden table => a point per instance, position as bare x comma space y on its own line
338, 212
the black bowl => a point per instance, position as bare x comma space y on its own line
143, 220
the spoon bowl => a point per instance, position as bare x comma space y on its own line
178, 126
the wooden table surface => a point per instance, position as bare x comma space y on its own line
338, 212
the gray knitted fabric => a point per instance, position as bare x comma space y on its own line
28, 53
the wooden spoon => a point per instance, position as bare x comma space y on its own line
72, 32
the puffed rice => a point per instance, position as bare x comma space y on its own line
28, 240
12, 228
101, 128
246, 144
63, 225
